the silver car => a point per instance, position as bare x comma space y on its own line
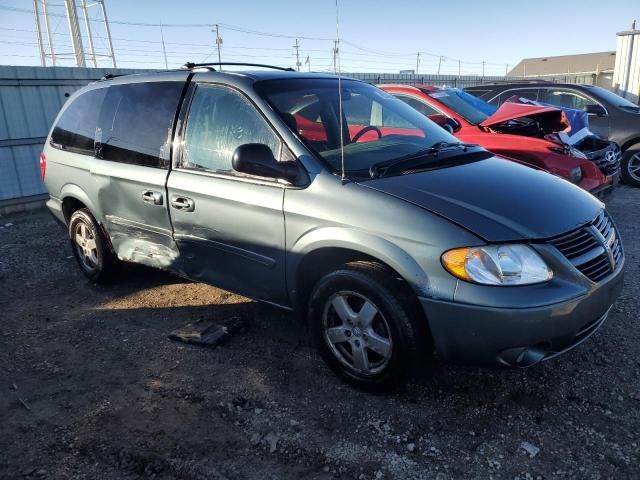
396, 242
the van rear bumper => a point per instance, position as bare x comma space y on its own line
55, 209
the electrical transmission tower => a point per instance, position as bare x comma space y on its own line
49, 51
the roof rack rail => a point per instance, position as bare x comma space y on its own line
109, 76
532, 80
190, 65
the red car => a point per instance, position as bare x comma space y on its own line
450, 109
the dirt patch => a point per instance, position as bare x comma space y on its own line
91, 387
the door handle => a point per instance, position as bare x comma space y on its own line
182, 203
154, 198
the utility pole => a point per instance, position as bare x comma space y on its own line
459, 70
92, 50
417, 63
164, 50
335, 56
45, 10
506, 69
41, 8
74, 32
483, 63
297, 47
43, 60
440, 60
218, 43
106, 25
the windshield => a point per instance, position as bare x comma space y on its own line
612, 98
376, 128
471, 108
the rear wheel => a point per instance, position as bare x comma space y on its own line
631, 166
90, 247
366, 326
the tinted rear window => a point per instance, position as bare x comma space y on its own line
76, 126
528, 93
136, 121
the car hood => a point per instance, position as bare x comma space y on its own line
511, 111
496, 199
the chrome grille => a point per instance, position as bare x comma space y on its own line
607, 159
609, 163
594, 249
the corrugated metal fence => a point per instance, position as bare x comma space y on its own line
417, 79
30, 98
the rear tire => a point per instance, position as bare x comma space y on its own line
630, 170
367, 326
91, 248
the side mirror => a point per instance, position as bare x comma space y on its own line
451, 125
257, 159
454, 124
595, 109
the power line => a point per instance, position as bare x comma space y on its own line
371, 55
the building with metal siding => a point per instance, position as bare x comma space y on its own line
591, 68
626, 78
30, 98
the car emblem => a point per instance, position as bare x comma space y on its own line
610, 156
607, 244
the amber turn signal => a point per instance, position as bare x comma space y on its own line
454, 261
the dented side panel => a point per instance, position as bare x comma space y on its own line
139, 231
235, 235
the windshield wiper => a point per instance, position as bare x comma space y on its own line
382, 168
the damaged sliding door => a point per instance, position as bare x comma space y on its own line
131, 168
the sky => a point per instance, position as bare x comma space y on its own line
376, 36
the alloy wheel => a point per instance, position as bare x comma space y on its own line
634, 166
357, 333
86, 248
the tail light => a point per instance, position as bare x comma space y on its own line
43, 165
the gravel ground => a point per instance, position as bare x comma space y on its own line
91, 387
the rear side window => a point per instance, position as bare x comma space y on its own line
567, 99
484, 94
528, 93
422, 107
136, 121
76, 127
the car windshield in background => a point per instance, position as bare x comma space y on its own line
613, 99
376, 126
471, 108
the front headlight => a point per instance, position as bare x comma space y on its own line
497, 265
575, 175
574, 152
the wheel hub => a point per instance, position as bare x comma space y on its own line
634, 166
357, 333
86, 246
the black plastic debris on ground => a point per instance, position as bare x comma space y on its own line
208, 332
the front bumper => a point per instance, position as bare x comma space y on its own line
519, 337
604, 190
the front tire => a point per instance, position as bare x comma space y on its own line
367, 326
630, 170
91, 248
